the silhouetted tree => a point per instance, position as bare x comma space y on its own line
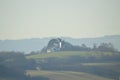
107, 47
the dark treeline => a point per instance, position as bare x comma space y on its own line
103, 47
56, 45
106, 47
13, 66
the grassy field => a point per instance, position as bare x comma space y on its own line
103, 64
71, 53
65, 75
6, 78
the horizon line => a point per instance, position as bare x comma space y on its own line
60, 37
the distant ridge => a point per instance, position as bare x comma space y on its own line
36, 44
116, 36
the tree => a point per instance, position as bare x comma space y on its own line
94, 47
107, 47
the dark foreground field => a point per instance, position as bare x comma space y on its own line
67, 65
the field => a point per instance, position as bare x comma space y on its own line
65, 75
77, 65
71, 53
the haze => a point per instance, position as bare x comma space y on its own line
72, 18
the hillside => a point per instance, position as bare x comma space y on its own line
103, 64
36, 44
66, 54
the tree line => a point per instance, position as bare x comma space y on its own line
103, 47
56, 45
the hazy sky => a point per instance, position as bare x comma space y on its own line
72, 18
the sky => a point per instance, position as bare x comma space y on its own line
21, 19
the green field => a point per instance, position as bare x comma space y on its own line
101, 64
62, 65
71, 53
65, 75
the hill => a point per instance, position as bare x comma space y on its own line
104, 64
66, 54
36, 44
